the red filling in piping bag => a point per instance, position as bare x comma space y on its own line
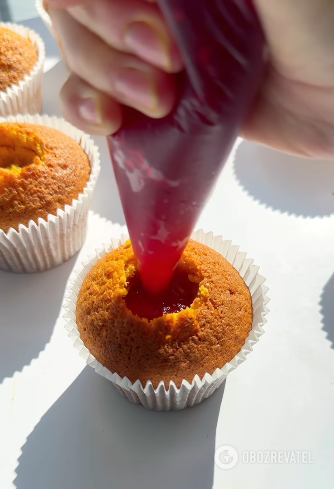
165, 169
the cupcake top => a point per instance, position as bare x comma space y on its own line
17, 57
199, 325
41, 170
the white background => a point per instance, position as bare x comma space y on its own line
63, 426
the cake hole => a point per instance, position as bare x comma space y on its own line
180, 294
16, 158
20, 147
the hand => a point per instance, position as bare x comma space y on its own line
294, 111
295, 108
118, 52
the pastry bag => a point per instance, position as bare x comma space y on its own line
166, 169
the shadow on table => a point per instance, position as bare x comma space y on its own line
30, 306
286, 183
94, 438
327, 309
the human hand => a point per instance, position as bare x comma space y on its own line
294, 111
118, 52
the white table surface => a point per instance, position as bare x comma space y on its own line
64, 427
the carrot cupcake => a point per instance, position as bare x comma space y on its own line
22, 55
48, 171
173, 351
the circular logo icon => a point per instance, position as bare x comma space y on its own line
226, 457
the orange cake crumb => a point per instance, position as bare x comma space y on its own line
41, 170
17, 57
177, 346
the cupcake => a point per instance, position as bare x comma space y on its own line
22, 55
48, 170
173, 351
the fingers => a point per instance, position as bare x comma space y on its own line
292, 117
121, 76
131, 26
119, 52
89, 109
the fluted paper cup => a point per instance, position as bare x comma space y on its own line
54, 240
170, 397
25, 97
44, 16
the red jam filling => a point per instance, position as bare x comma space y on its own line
179, 294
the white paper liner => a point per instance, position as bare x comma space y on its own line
44, 16
39, 247
26, 96
167, 398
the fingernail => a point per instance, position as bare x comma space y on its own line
137, 89
144, 41
88, 110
